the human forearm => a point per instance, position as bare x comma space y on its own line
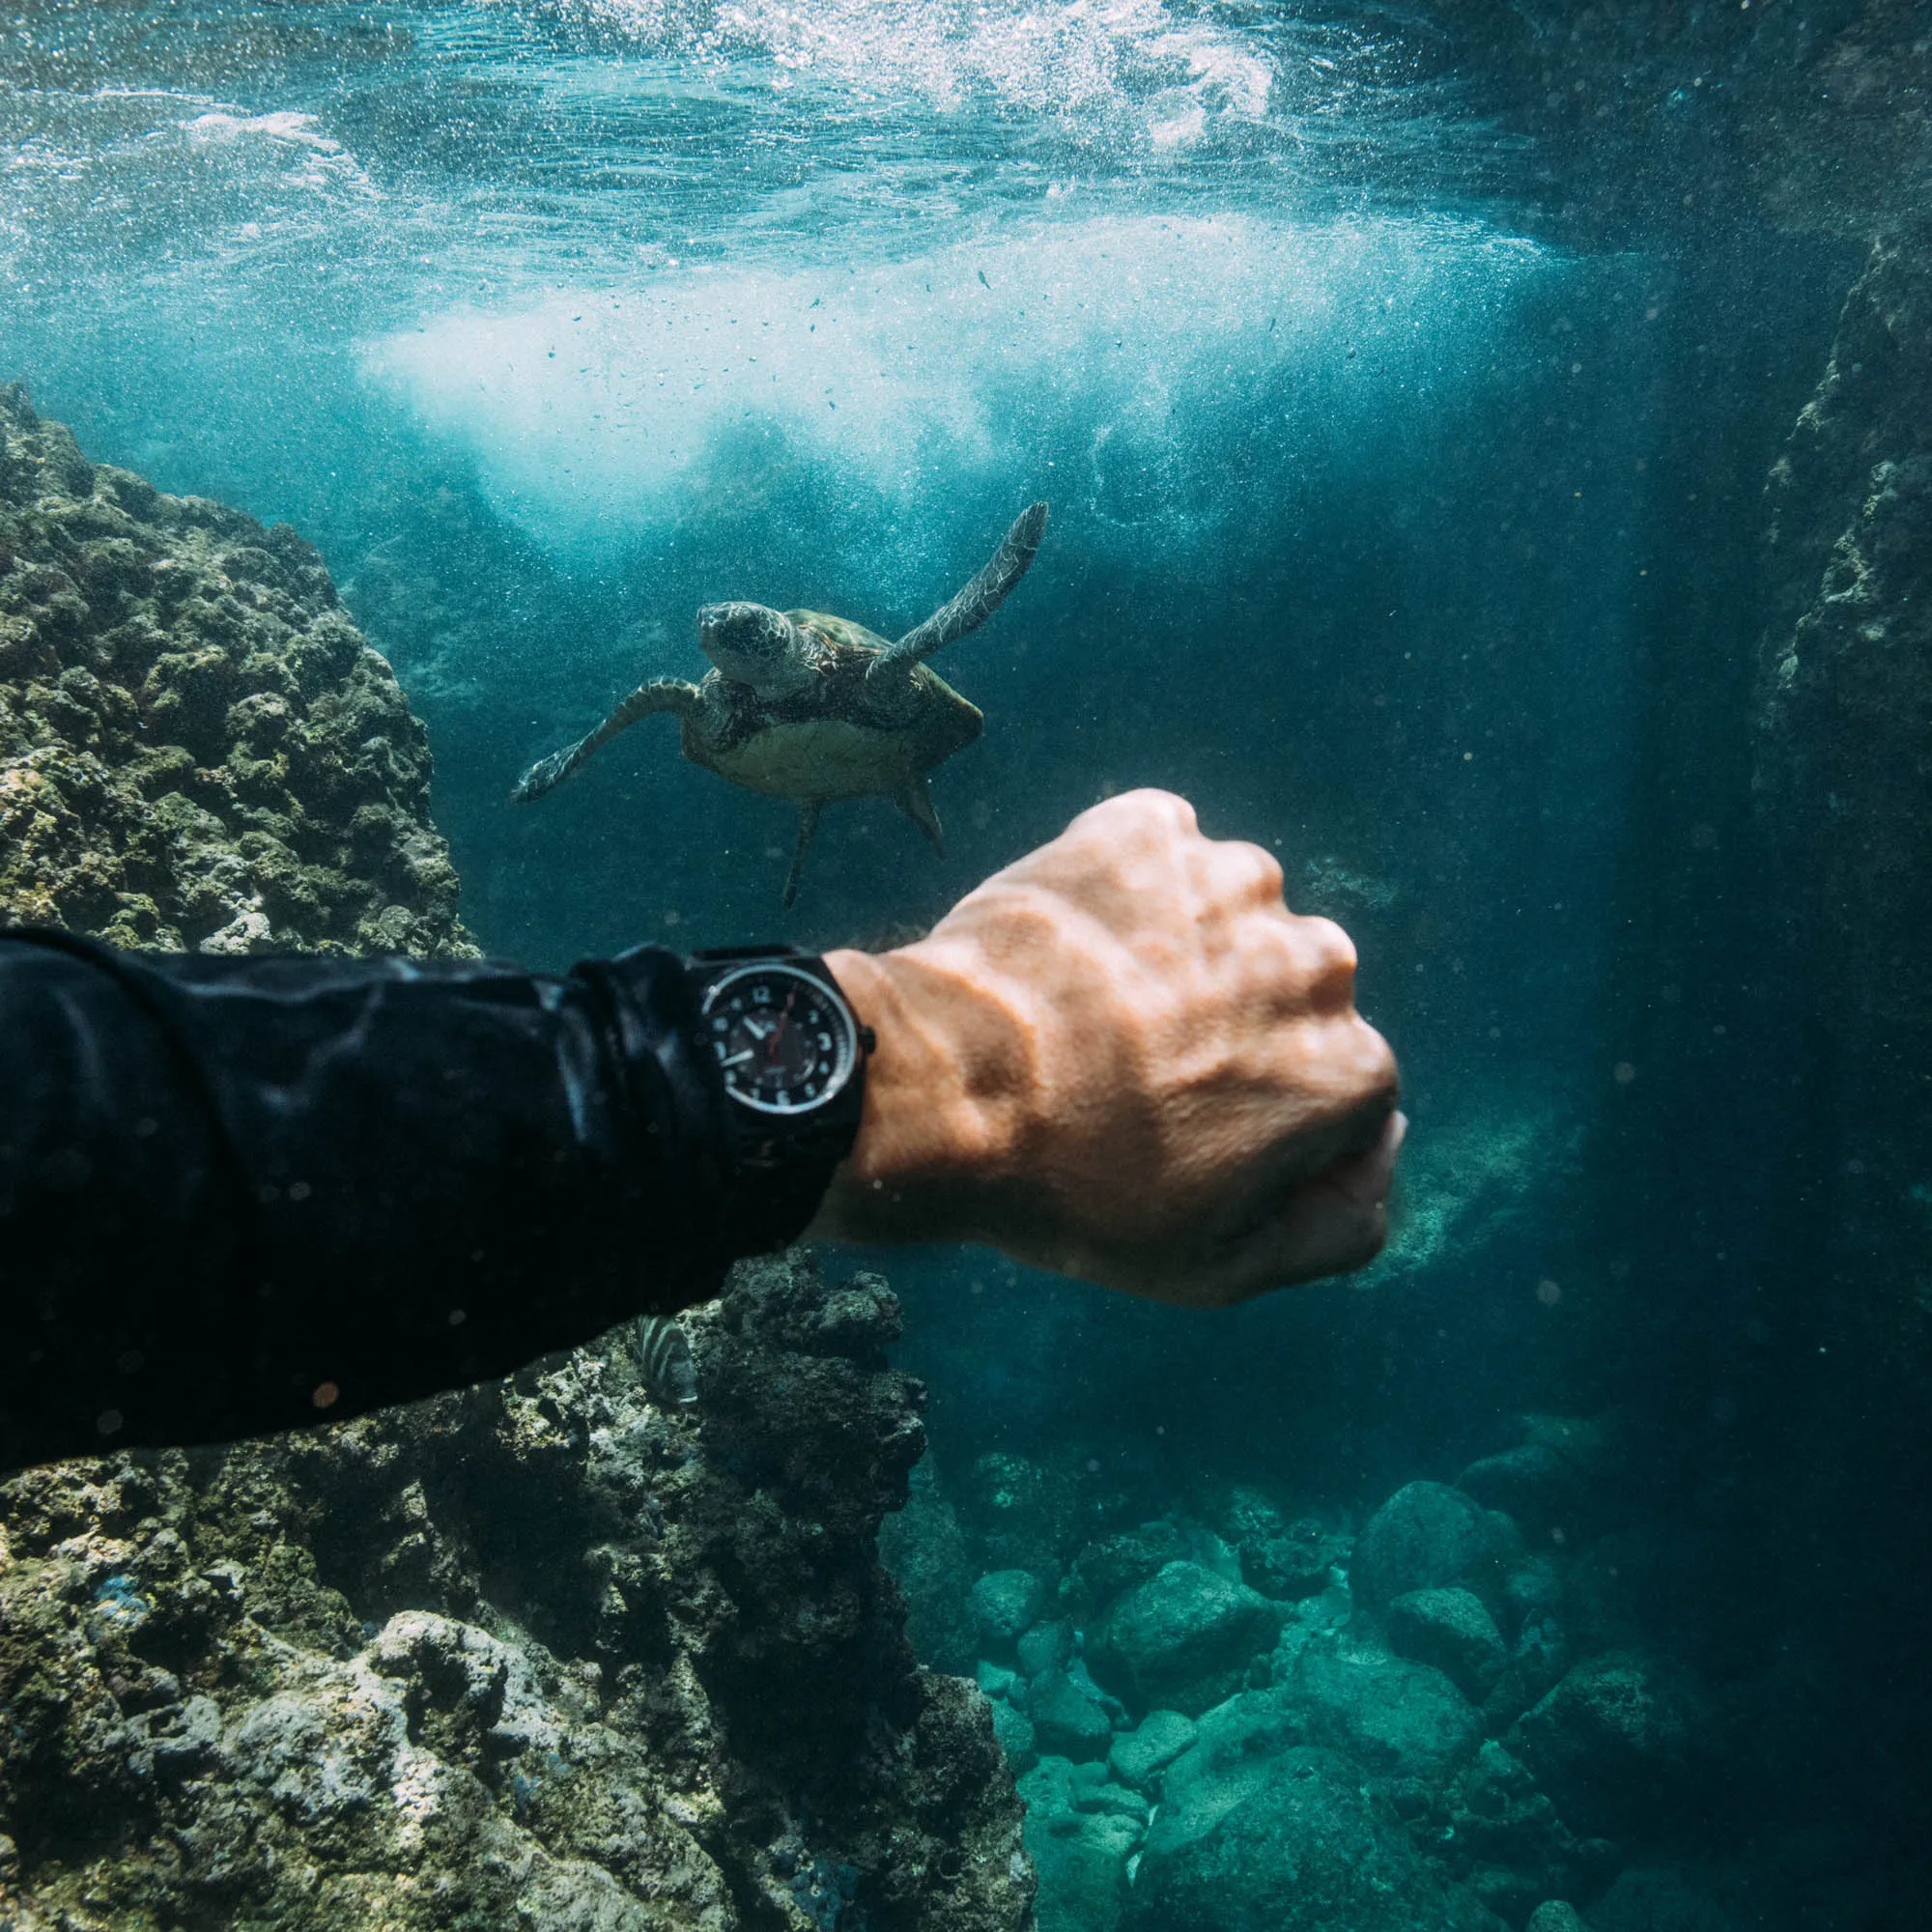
235, 1195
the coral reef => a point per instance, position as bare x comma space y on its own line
197, 748
576, 1650
542, 1654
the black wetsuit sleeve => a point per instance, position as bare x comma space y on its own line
241, 1195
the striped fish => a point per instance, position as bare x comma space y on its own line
663, 1360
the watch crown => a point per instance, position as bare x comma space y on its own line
868, 1041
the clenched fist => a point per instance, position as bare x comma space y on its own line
1124, 1059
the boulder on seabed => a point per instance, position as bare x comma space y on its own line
1016, 1736
1080, 1833
1397, 1718
1066, 1720
1452, 1630
1185, 1638
1111, 1565
1294, 1563
1004, 1603
1139, 1756
1620, 1744
1556, 1915
1430, 1537
1290, 1843
1045, 1647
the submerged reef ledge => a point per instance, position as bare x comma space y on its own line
540, 1654
197, 748
551, 1653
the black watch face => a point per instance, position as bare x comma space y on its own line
786, 1041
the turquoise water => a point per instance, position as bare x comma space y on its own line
1405, 453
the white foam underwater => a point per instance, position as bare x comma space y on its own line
1095, 360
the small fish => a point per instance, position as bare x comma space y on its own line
663, 1360
983, 282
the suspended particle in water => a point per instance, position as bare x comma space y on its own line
1623, 1074
1549, 1293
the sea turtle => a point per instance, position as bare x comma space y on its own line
810, 707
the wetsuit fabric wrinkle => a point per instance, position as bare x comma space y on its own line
240, 1195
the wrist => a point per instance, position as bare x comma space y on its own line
946, 1097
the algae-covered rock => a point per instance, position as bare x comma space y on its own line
1183, 1638
1621, 1743
541, 1653
1451, 1629
1290, 1843
1398, 1719
1294, 1563
1004, 1603
1111, 1565
1425, 1537
197, 748
1067, 1720
1139, 1756
1081, 1830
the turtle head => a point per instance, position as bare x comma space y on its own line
758, 646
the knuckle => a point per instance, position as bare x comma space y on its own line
1379, 1073
1329, 955
1254, 867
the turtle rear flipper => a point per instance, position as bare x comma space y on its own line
662, 694
975, 603
914, 797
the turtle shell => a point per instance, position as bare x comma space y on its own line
837, 739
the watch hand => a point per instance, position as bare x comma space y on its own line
778, 1032
738, 1058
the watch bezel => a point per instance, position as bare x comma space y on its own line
849, 1049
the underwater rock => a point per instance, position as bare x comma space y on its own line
541, 1653
1112, 1564
925, 1548
1295, 1564
1016, 1736
197, 748
1451, 1629
1080, 1833
1183, 1638
1066, 1720
1621, 1744
1504, 1839
1661, 1898
1046, 1646
1138, 1757
1023, 1514
1004, 1604
1397, 1718
1428, 1536
1287, 1843
1556, 1915
1565, 1469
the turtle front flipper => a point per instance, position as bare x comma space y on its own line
914, 797
975, 603
662, 694
807, 823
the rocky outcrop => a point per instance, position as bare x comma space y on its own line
197, 748
537, 1654
551, 1653
1844, 724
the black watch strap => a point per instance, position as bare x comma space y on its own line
782, 1163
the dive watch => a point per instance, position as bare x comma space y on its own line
792, 1055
